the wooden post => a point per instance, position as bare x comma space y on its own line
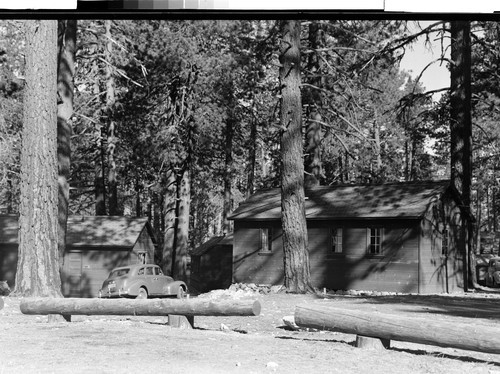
470, 336
1, 303
366, 342
137, 307
181, 322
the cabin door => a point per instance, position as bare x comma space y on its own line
73, 276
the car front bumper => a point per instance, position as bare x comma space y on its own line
108, 294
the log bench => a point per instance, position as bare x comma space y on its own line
375, 329
180, 312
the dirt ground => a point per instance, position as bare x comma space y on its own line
262, 344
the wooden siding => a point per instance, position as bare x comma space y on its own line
144, 244
85, 270
395, 270
438, 272
249, 264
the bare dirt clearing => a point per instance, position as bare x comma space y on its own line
117, 344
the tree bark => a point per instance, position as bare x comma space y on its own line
38, 263
179, 260
252, 154
461, 126
295, 241
65, 87
228, 196
469, 336
170, 219
313, 164
148, 307
110, 102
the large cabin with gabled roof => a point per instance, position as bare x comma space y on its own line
396, 237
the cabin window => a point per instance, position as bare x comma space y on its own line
375, 240
266, 239
336, 240
444, 242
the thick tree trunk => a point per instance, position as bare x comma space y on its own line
296, 256
65, 85
461, 125
179, 260
110, 102
38, 263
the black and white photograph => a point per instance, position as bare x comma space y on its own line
190, 188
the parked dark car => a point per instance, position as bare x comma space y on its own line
141, 281
493, 274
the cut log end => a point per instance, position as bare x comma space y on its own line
256, 308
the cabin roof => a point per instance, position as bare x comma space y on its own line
88, 231
212, 242
409, 200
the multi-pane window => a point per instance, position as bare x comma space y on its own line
444, 242
266, 239
336, 240
375, 241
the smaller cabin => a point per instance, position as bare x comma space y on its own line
211, 264
94, 246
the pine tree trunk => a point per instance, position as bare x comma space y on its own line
170, 221
38, 263
110, 102
99, 185
228, 196
296, 256
461, 125
313, 164
252, 155
65, 85
179, 271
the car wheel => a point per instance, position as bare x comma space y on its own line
181, 293
143, 294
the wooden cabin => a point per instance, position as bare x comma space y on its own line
396, 237
211, 264
95, 245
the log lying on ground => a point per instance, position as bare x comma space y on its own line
468, 336
138, 307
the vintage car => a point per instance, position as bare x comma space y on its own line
492, 276
141, 281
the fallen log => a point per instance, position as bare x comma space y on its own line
140, 307
469, 336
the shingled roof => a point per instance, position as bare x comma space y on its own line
88, 231
408, 200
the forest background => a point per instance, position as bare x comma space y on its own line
179, 120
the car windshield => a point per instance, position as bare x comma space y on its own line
118, 273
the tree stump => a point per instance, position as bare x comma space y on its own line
367, 342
